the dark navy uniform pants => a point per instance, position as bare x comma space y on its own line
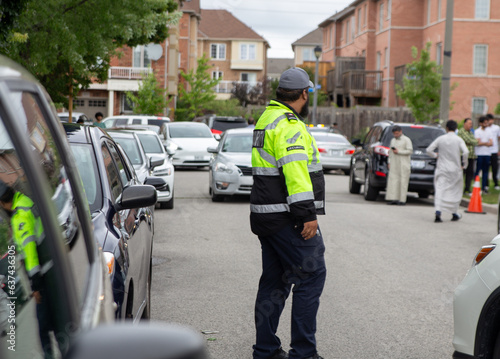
288, 259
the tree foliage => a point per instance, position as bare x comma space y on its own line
251, 95
150, 98
196, 91
67, 43
422, 86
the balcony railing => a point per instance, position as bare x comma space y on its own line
360, 83
227, 86
128, 73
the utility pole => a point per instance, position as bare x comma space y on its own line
317, 53
444, 107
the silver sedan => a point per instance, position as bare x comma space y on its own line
335, 151
230, 169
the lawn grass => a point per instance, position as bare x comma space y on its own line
491, 197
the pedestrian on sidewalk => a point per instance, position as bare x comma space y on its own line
452, 155
495, 132
287, 194
399, 167
483, 152
466, 134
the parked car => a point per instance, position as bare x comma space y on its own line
125, 236
132, 146
123, 120
476, 309
323, 128
230, 169
70, 310
189, 141
156, 151
75, 116
335, 151
219, 124
369, 161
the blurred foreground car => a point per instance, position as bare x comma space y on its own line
230, 170
189, 141
476, 307
66, 309
335, 151
125, 235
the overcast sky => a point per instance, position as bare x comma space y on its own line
280, 22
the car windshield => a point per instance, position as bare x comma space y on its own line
220, 124
131, 148
85, 161
420, 136
238, 143
323, 137
186, 131
150, 143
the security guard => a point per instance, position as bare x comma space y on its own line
287, 194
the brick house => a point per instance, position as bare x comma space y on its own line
303, 48
370, 41
236, 52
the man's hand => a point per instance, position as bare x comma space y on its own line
395, 150
38, 297
310, 229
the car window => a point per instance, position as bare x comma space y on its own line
420, 136
320, 137
121, 121
150, 143
122, 169
87, 166
238, 143
114, 179
131, 148
136, 121
223, 124
186, 131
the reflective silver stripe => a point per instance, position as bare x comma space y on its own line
291, 158
319, 204
29, 240
273, 124
314, 167
294, 138
265, 171
269, 208
266, 156
297, 197
315, 157
34, 271
47, 266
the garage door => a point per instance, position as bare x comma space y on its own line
91, 105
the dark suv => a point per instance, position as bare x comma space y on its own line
369, 162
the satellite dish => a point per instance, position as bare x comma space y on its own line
154, 51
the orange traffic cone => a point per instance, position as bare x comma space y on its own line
476, 204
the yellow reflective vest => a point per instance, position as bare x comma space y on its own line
289, 185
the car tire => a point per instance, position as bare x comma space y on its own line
169, 204
146, 314
216, 197
354, 187
346, 172
423, 194
370, 193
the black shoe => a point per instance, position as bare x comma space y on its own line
485, 191
390, 203
279, 354
401, 203
456, 217
438, 219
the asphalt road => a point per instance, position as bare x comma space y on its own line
391, 272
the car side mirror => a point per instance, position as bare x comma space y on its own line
156, 162
169, 150
157, 182
127, 341
212, 149
136, 196
217, 136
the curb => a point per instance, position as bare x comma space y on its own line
488, 208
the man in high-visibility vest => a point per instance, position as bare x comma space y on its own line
287, 194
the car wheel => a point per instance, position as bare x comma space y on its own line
346, 172
370, 193
169, 204
354, 187
146, 314
423, 194
216, 197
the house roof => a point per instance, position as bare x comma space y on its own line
221, 24
191, 6
338, 16
278, 65
313, 38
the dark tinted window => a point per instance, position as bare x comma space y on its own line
187, 131
150, 143
222, 124
112, 173
420, 136
85, 161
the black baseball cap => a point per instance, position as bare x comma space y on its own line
295, 79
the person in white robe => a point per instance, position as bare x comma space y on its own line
452, 155
399, 167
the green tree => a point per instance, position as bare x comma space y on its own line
196, 92
422, 86
150, 99
67, 43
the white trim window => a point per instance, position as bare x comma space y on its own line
482, 9
218, 51
250, 77
140, 57
247, 52
478, 105
217, 75
347, 31
359, 21
428, 12
365, 23
379, 60
480, 61
381, 17
386, 57
439, 9
308, 54
389, 4
439, 53
353, 28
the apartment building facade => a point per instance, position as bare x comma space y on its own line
378, 35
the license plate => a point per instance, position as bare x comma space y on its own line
418, 164
199, 158
334, 152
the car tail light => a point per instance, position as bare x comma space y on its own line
416, 126
381, 174
381, 150
322, 150
216, 132
483, 252
349, 152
